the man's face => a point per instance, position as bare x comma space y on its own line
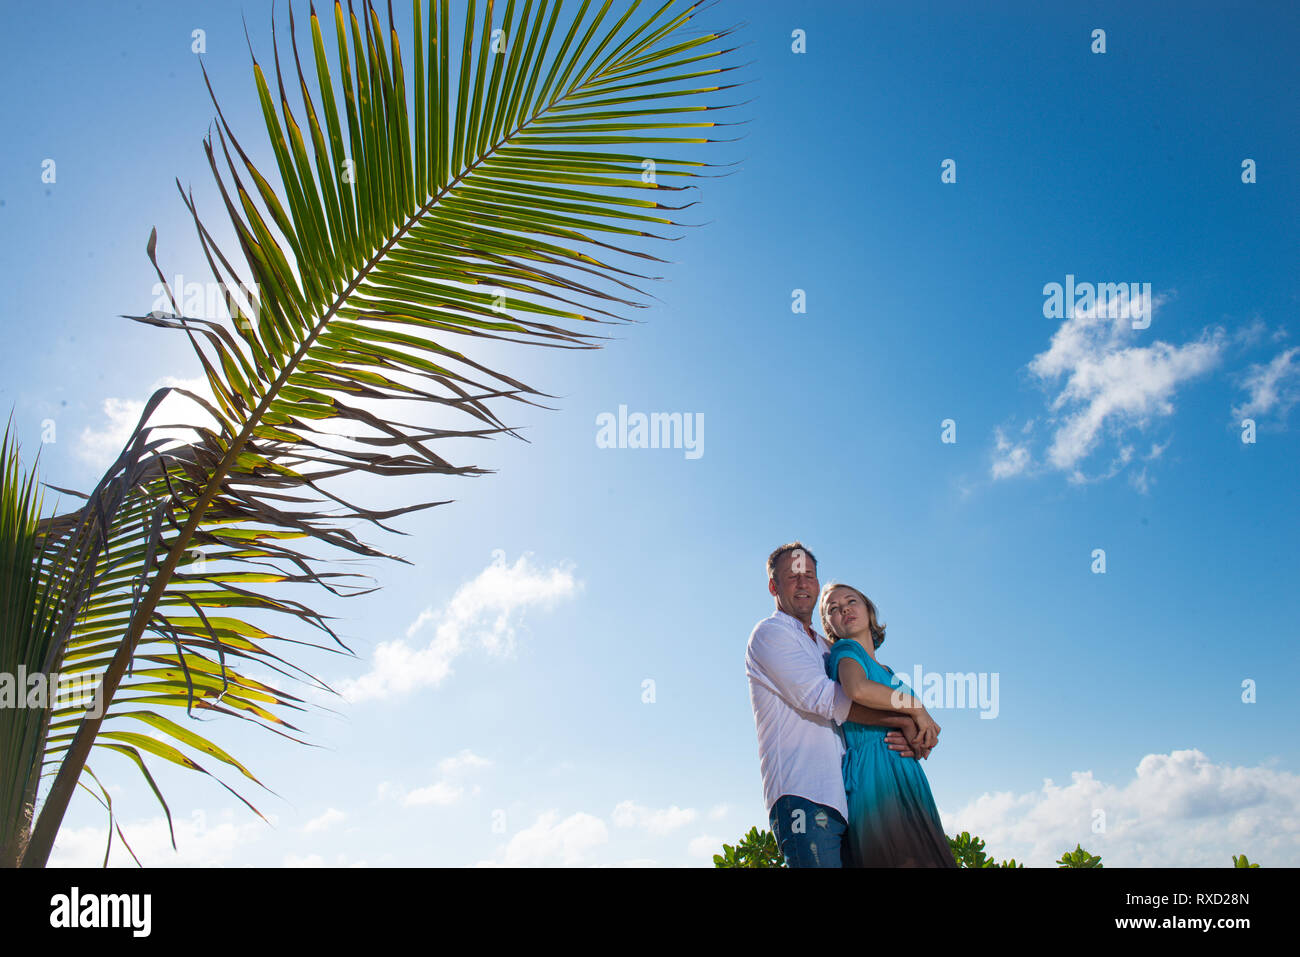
795, 585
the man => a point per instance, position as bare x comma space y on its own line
797, 711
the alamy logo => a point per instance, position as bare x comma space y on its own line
954, 689
1116, 300
36, 690
205, 300
658, 430
102, 910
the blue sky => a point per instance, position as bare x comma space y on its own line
506, 719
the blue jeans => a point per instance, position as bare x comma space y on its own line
808, 834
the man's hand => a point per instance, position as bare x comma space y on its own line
908, 741
898, 743
904, 738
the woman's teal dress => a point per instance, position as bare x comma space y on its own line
892, 818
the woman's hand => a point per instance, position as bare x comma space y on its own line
927, 732
913, 739
915, 746
902, 736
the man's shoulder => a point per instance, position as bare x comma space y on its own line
769, 627
760, 642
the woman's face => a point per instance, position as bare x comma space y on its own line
847, 613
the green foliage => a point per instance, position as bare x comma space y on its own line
755, 849
758, 849
27, 632
1079, 858
509, 205
969, 851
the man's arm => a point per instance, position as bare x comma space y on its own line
861, 714
897, 739
797, 678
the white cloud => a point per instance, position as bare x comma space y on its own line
705, 846
200, 842
325, 821
1272, 386
719, 811
551, 842
1179, 810
484, 612
101, 443
440, 792
1142, 479
631, 814
1011, 459
1105, 383
315, 860
448, 790
467, 760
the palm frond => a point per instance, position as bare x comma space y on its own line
505, 195
27, 632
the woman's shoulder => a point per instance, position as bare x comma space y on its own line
848, 648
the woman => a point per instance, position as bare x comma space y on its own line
892, 818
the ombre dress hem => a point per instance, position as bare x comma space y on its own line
893, 821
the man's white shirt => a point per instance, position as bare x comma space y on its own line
796, 711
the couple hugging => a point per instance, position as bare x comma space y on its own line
839, 735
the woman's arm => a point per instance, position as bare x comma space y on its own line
872, 694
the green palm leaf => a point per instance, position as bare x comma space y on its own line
28, 631
503, 195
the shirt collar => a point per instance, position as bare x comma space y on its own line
796, 623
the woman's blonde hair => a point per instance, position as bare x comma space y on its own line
873, 619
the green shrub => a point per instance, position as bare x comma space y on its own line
759, 849
1079, 858
968, 851
755, 849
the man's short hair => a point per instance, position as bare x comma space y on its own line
776, 557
